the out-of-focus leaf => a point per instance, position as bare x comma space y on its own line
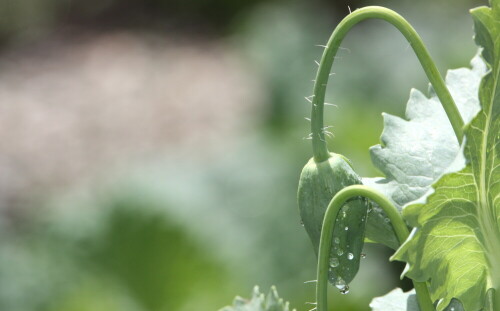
259, 302
143, 250
96, 295
456, 243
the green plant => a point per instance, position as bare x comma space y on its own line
442, 170
271, 302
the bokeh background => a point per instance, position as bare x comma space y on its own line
150, 149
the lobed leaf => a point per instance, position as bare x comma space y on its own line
456, 243
414, 153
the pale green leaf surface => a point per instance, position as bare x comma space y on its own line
397, 300
259, 302
456, 243
415, 152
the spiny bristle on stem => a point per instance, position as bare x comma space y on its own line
346, 49
340, 48
329, 134
326, 132
330, 104
308, 137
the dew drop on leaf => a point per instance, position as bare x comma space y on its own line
342, 286
340, 283
345, 291
334, 262
350, 256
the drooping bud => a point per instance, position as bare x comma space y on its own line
319, 182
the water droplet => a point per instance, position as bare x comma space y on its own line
334, 262
342, 286
336, 240
340, 283
350, 256
340, 252
363, 255
346, 228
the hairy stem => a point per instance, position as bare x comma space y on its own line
320, 148
325, 245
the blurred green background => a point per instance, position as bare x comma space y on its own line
151, 149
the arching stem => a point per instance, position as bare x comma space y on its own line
325, 244
320, 149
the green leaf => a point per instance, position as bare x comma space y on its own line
259, 302
456, 243
396, 300
415, 152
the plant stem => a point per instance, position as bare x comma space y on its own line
325, 245
320, 148
496, 300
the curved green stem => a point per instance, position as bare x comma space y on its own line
320, 149
325, 244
